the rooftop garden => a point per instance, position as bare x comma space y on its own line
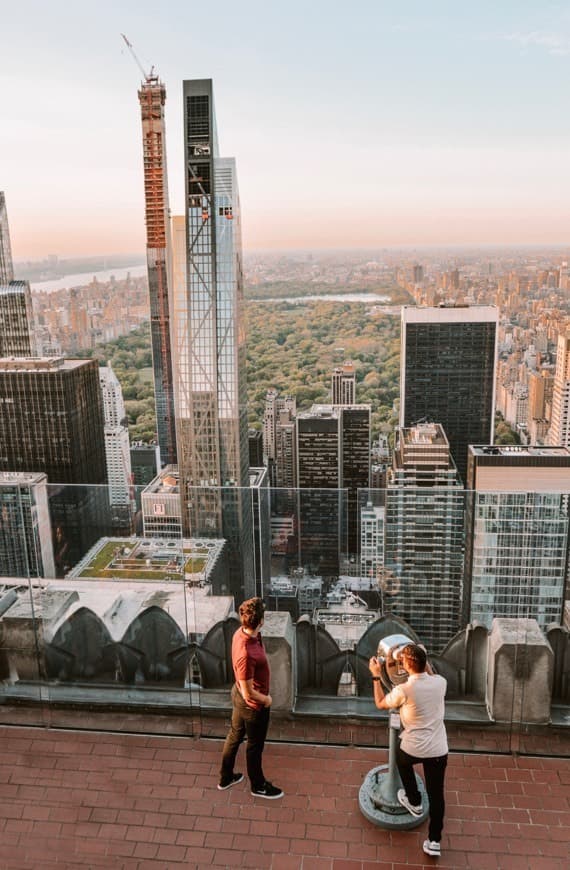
125, 560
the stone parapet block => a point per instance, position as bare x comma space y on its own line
520, 672
279, 640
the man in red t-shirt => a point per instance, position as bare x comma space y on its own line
251, 703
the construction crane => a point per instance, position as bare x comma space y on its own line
148, 77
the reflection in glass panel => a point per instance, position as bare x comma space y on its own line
148, 619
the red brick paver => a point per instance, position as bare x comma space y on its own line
92, 800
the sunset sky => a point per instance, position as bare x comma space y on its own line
365, 124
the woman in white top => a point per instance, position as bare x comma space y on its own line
423, 740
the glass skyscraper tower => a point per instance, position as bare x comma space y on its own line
16, 318
517, 533
209, 346
447, 362
6, 270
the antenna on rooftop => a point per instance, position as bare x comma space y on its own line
148, 77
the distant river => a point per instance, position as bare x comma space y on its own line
368, 298
84, 278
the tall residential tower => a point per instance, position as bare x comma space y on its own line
209, 346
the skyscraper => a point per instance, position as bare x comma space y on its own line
540, 390
344, 384
517, 533
52, 422
448, 373
6, 269
372, 525
26, 548
279, 411
333, 452
318, 470
424, 535
145, 463
16, 318
355, 466
559, 433
210, 346
152, 97
52, 419
285, 464
261, 527
255, 441
117, 448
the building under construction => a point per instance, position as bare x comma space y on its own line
152, 97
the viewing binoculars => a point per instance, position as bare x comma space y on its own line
389, 651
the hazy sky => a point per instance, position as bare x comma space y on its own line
367, 123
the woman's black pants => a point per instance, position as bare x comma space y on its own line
434, 772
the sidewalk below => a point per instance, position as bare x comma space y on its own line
73, 799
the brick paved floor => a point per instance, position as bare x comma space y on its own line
83, 799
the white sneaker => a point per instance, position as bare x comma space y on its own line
411, 808
432, 847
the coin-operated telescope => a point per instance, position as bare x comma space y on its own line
378, 797
389, 655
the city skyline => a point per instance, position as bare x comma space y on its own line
451, 116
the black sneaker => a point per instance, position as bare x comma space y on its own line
267, 790
236, 777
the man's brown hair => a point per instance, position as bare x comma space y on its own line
416, 656
251, 612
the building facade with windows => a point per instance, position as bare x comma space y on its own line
559, 433
423, 558
372, 530
516, 533
278, 426
344, 384
161, 505
51, 421
117, 448
333, 453
448, 361
26, 548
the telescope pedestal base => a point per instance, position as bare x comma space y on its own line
379, 804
